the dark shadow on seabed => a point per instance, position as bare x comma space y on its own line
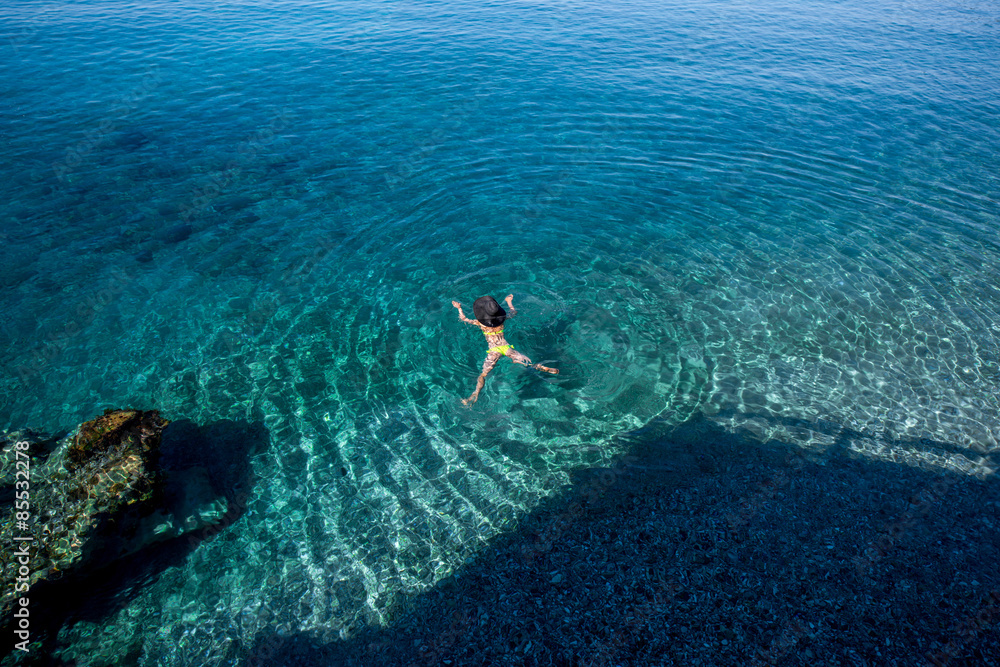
219, 456
704, 547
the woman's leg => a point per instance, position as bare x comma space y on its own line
488, 364
523, 359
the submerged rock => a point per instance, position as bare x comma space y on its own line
176, 233
132, 141
96, 498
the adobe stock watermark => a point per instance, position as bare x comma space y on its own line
553, 190
24, 543
22, 37
438, 648
264, 653
237, 506
889, 538
56, 341
664, 588
246, 151
98, 134
926, 501
405, 168
293, 281
596, 488
983, 619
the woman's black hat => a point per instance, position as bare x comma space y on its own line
488, 311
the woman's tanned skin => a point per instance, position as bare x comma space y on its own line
498, 347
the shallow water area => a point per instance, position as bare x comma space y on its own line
782, 218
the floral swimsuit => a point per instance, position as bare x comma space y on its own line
499, 347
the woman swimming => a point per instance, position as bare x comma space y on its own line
491, 316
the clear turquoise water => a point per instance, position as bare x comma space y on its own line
262, 211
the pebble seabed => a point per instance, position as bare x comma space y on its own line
704, 548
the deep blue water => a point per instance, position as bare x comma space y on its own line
262, 211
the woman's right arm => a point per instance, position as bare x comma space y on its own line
461, 315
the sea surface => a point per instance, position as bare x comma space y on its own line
775, 215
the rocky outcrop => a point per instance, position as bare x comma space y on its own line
94, 498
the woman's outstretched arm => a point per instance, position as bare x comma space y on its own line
462, 316
510, 304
